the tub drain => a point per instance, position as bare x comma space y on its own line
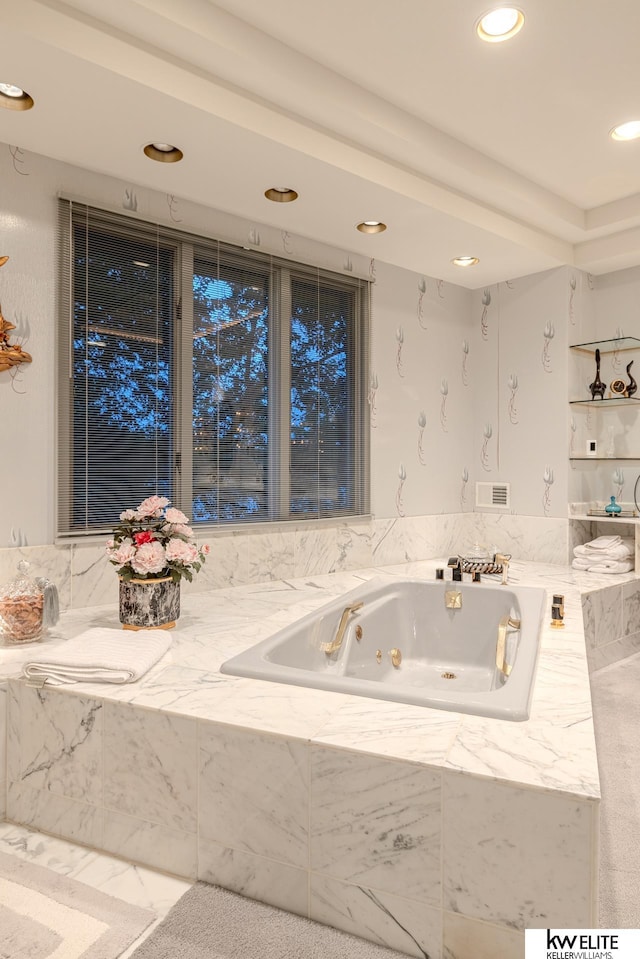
449, 676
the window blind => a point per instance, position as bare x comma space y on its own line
230, 381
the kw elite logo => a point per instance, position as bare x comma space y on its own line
582, 943
586, 945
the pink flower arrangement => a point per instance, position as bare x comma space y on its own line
155, 541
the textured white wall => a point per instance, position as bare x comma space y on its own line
421, 400
445, 365
520, 432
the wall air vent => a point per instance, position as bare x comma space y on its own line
493, 495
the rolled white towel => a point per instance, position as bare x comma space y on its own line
100, 655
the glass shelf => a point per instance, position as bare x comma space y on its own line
602, 459
619, 344
608, 401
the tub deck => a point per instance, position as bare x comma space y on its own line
415, 827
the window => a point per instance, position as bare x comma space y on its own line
229, 381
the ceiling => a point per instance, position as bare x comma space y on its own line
369, 109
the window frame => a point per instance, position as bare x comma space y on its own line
187, 248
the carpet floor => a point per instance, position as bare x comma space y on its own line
616, 709
213, 923
47, 916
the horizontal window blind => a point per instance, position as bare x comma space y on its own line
230, 381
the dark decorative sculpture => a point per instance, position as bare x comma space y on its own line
633, 386
597, 387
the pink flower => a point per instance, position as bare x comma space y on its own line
174, 515
181, 552
205, 550
128, 514
149, 558
123, 554
152, 506
181, 530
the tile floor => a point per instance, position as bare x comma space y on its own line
135, 884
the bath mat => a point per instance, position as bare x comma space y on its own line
212, 923
47, 916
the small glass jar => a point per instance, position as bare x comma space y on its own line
21, 606
477, 554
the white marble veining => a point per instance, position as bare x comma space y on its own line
266, 788
78, 821
150, 766
403, 539
545, 840
316, 551
399, 730
604, 611
354, 545
256, 791
156, 845
134, 884
228, 564
56, 742
378, 916
216, 625
276, 883
376, 823
271, 556
94, 581
631, 608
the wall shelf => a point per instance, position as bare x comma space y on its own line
611, 459
611, 401
634, 520
616, 345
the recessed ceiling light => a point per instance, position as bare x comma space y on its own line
626, 131
140, 263
371, 226
281, 194
465, 260
502, 23
14, 98
163, 152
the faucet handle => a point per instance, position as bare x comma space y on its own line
502, 559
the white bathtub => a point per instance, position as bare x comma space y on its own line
448, 656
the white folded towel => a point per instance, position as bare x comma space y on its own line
621, 550
604, 542
621, 566
100, 655
604, 566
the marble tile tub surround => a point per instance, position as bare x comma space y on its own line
85, 578
311, 815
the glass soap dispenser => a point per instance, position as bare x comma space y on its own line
21, 607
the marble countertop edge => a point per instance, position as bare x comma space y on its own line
554, 751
